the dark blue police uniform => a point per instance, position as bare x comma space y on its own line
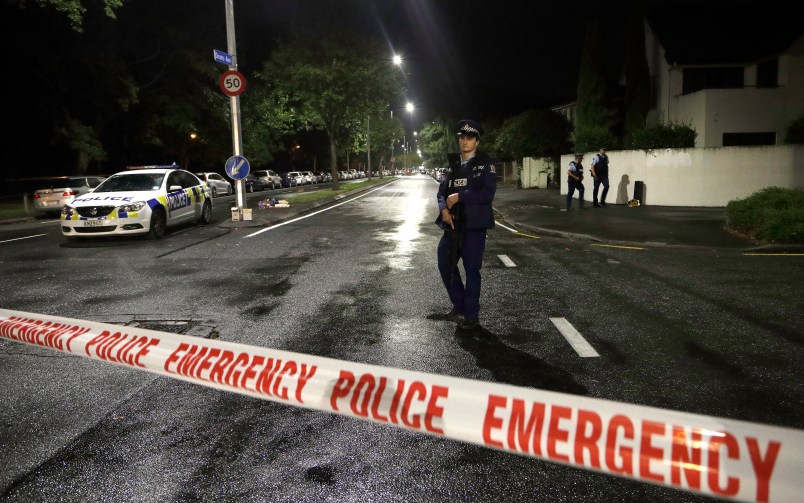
476, 182
575, 168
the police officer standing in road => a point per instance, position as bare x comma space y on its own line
465, 213
600, 175
574, 179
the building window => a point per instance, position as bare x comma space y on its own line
748, 139
768, 73
696, 79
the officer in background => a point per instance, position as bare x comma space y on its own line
464, 203
574, 179
600, 175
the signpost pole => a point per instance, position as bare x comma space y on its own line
234, 101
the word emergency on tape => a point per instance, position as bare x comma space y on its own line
717, 457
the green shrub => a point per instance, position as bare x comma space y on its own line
671, 135
590, 139
772, 215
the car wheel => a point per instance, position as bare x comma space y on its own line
214, 192
229, 190
158, 224
206, 213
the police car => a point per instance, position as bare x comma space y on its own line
146, 200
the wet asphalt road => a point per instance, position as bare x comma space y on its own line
709, 332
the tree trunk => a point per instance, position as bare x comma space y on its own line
333, 160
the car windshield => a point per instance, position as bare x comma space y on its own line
132, 182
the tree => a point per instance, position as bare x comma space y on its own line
384, 130
438, 138
535, 133
637, 76
594, 114
74, 9
331, 83
121, 91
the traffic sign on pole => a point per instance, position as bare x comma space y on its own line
237, 167
232, 83
222, 57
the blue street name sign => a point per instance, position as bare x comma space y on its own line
222, 57
237, 167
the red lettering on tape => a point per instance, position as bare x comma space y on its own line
368, 397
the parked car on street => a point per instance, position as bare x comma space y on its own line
217, 184
143, 201
324, 176
58, 191
289, 181
298, 176
310, 177
256, 184
270, 177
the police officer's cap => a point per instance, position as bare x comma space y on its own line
470, 128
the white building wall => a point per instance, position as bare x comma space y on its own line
696, 177
712, 112
535, 172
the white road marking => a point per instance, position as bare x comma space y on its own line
576, 340
26, 237
497, 222
315, 212
507, 261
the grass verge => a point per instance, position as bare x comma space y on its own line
12, 208
308, 197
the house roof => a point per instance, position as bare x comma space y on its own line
739, 31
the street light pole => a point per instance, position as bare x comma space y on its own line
405, 150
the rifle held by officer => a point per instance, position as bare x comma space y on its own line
457, 238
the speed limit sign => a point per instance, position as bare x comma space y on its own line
232, 83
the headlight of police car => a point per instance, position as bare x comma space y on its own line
67, 211
132, 207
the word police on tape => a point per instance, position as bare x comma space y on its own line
718, 457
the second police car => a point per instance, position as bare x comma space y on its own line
146, 200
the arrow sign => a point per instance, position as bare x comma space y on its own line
237, 167
222, 57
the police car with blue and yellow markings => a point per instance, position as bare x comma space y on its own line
145, 200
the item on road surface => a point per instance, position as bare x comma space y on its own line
273, 203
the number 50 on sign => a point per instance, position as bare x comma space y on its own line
232, 83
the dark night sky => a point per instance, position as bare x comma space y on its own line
463, 58
480, 59
475, 58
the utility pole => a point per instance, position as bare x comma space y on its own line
234, 102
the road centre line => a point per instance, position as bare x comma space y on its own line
507, 261
774, 254
619, 246
26, 237
314, 213
576, 340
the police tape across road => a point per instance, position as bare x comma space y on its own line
713, 456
